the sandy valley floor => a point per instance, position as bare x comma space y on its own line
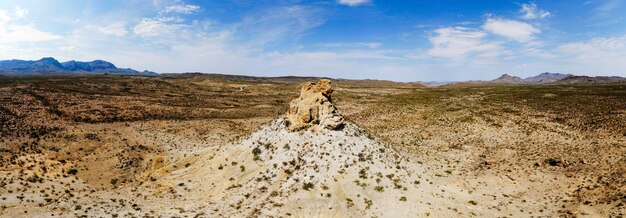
117, 146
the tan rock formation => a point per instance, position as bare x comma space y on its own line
314, 107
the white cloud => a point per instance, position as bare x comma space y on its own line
353, 55
24, 33
20, 12
601, 55
15, 14
4, 17
15, 33
353, 2
516, 30
459, 42
531, 11
115, 29
68, 48
600, 47
149, 27
181, 9
353, 45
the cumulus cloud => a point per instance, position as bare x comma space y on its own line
595, 56
512, 29
16, 33
181, 9
20, 12
4, 17
24, 33
353, 2
115, 29
459, 42
531, 11
149, 27
598, 46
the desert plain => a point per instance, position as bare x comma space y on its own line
201, 145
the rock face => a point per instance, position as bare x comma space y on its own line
314, 107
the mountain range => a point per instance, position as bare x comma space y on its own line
546, 78
539, 79
50, 66
555, 78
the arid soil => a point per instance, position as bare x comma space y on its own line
118, 146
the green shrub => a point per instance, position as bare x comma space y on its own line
256, 151
72, 171
308, 186
368, 203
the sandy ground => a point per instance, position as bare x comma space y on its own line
463, 151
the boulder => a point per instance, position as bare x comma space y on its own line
314, 107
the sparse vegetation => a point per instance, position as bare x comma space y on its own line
349, 202
72, 171
368, 203
55, 128
308, 186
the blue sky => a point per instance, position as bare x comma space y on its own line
429, 40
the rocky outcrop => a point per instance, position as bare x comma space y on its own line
314, 107
308, 173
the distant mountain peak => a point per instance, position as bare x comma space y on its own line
506, 78
88, 66
556, 78
48, 59
547, 77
